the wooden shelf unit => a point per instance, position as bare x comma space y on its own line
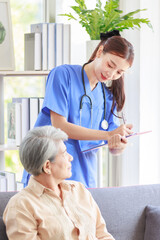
4, 74
23, 73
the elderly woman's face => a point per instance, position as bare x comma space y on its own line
61, 167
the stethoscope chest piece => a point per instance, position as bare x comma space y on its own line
104, 124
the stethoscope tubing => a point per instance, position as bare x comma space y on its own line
90, 100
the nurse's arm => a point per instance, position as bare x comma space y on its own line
81, 133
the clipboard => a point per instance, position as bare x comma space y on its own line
105, 144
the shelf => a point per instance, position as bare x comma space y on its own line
6, 147
23, 73
3, 75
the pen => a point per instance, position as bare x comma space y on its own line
123, 118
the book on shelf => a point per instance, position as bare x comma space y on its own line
66, 43
3, 183
51, 46
33, 111
59, 44
14, 134
8, 182
21, 117
43, 29
47, 46
25, 114
19, 186
40, 103
11, 179
32, 51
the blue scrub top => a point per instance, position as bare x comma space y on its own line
64, 89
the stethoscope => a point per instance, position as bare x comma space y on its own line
104, 123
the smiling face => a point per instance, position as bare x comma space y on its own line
109, 66
61, 166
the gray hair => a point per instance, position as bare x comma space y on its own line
40, 144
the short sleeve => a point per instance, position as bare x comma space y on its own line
57, 91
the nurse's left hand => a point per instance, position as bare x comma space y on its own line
117, 144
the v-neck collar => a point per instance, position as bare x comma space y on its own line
95, 93
87, 83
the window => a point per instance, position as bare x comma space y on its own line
23, 14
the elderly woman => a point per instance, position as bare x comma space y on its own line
51, 207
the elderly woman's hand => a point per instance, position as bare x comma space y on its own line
117, 144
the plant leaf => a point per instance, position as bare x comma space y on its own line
105, 19
130, 14
70, 16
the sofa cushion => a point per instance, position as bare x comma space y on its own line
123, 209
152, 228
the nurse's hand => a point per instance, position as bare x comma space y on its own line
117, 144
123, 130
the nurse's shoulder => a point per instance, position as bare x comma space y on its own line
66, 68
64, 73
59, 74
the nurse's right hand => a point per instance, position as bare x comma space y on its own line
123, 130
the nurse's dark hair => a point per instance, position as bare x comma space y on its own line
113, 43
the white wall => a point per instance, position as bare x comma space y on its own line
150, 94
143, 96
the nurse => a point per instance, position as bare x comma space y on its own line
78, 101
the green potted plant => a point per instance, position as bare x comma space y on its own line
100, 20
2, 33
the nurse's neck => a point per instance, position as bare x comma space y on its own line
91, 75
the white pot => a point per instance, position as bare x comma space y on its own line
90, 47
